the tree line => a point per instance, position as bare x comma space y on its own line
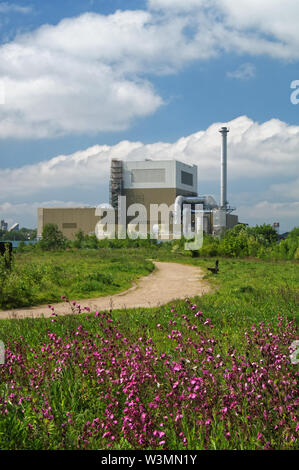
261, 241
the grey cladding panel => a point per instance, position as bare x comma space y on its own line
151, 175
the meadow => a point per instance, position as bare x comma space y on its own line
209, 373
39, 277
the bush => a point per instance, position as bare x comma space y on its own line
210, 246
52, 238
260, 241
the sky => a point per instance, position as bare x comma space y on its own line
84, 81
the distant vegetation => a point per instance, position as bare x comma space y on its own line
23, 234
242, 241
256, 242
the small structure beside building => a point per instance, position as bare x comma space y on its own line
276, 226
14, 228
69, 220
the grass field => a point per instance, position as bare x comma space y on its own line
214, 376
44, 277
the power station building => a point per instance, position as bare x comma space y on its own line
152, 182
149, 182
145, 182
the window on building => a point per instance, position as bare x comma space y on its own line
187, 178
69, 225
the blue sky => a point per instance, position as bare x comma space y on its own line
82, 76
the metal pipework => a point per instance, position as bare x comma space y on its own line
177, 213
223, 189
208, 203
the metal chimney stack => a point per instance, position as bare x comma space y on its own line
223, 190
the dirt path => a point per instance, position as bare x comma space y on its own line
168, 282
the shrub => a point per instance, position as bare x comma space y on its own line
52, 238
260, 241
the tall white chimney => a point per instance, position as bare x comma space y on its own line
223, 190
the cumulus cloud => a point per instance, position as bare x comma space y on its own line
250, 26
256, 151
89, 167
87, 74
258, 154
79, 76
91, 73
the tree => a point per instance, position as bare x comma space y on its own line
264, 232
52, 238
22, 235
294, 234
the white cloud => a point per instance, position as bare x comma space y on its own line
79, 76
89, 74
256, 151
269, 17
248, 26
244, 72
89, 167
257, 155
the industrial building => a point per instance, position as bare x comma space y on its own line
150, 183
169, 182
3, 225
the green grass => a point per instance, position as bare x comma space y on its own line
43, 277
244, 292
248, 290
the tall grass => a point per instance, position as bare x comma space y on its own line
41, 277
